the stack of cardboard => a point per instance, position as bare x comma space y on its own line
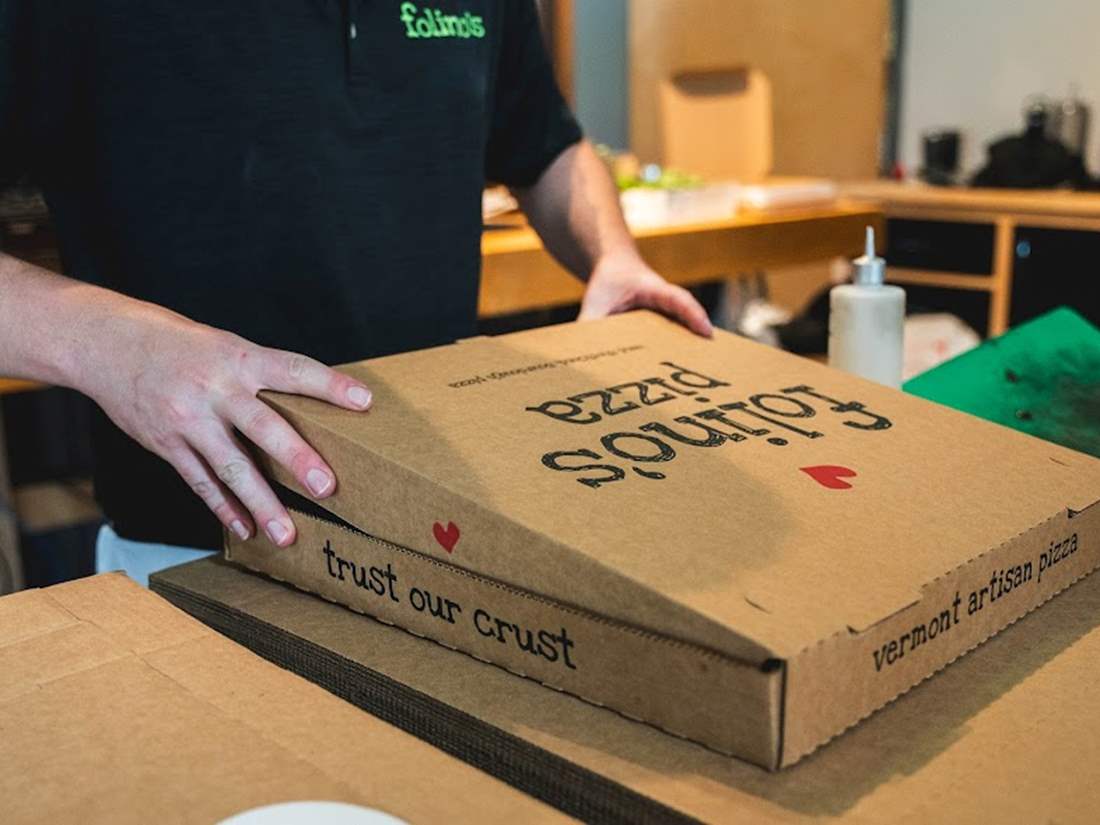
1007, 734
732, 544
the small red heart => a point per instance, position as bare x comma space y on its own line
446, 536
830, 475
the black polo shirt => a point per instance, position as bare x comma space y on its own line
305, 173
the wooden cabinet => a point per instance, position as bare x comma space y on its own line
996, 257
826, 62
1052, 267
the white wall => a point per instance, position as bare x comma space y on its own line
969, 64
599, 70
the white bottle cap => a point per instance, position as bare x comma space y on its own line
870, 269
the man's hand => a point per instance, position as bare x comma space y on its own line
625, 283
183, 390
574, 206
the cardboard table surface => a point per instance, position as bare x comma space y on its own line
736, 548
1009, 733
117, 707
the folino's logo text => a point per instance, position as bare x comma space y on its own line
427, 22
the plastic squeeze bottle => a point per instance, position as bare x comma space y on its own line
867, 321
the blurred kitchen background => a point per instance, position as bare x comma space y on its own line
753, 140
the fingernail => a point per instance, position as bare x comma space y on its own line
359, 397
278, 531
238, 527
318, 481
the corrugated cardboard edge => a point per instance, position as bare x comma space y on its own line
1088, 563
546, 775
765, 683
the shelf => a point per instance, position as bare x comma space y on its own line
951, 280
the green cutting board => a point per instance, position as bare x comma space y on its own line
1042, 378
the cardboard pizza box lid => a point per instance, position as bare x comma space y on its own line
744, 546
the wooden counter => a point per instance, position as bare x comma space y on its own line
1006, 210
1056, 207
518, 274
10, 385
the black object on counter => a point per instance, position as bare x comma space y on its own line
940, 150
1031, 160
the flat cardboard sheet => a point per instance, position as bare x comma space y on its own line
1009, 733
838, 540
117, 707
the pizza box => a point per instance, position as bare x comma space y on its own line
732, 544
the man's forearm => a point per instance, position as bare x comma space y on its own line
62, 331
45, 319
575, 209
574, 206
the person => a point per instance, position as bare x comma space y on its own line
246, 191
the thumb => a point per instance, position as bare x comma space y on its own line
595, 304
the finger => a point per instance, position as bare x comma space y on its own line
591, 310
236, 471
271, 433
680, 305
206, 486
302, 375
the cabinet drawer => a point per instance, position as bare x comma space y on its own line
1052, 268
945, 246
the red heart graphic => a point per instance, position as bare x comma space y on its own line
446, 536
830, 475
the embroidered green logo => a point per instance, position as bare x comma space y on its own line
434, 23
